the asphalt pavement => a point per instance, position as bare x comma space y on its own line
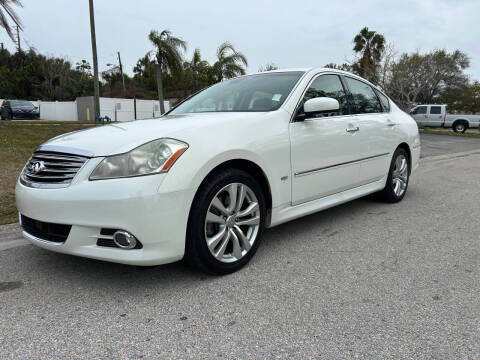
364, 280
433, 144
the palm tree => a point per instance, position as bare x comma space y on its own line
168, 54
196, 72
371, 45
230, 63
6, 12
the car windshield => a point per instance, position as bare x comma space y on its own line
21, 103
254, 93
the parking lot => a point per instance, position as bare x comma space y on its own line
363, 280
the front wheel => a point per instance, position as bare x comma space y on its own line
226, 222
398, 177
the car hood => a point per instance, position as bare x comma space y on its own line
121, 137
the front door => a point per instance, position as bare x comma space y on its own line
324, 148
420, 115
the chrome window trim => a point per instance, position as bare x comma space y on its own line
308, 172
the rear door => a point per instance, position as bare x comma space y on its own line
434, 116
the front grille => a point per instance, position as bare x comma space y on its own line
51, 169
57, 233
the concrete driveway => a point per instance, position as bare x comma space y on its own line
363, 280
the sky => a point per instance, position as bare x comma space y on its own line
290, 34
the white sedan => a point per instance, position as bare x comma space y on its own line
205, 180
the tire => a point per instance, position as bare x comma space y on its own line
459, 127
222, 226
397, 181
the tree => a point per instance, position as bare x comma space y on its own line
464, 99
423, 78
268, 67
6, 11
230, 63
197, 72
343, 67
370, 46
84, 67
168, 56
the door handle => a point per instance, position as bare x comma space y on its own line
355, 129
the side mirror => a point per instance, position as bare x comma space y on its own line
319, 105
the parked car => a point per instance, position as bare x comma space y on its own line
205, 180
18, 109
437, 116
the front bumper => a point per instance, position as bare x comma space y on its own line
138, 205
26, 115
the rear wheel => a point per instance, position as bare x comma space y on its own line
459, 127
226, 222
398, 177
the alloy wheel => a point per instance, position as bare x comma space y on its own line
400, 175
232, 222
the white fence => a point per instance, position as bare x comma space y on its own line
58, 110
115, 109
124, 109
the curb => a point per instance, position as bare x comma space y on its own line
449, 156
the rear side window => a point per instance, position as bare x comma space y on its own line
384, 101
327, 86
364, 98
435, 110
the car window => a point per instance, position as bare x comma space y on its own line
364, 98
326, 86
419, 110
435, 110
21, 103
384, 101
256, 93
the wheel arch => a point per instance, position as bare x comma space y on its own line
465, 121
255, 171
406, 147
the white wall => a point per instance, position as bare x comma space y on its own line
57, 110
124, 109
115, 109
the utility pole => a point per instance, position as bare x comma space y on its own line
96, 95
18, 39
121, 74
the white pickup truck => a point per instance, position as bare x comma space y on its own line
436, 116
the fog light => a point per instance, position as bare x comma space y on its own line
124, 239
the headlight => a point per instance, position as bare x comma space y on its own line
151, 158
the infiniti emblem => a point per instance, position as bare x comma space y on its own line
36, 167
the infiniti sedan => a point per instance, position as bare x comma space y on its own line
205, 180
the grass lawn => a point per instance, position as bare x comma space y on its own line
474, 133
18, 139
